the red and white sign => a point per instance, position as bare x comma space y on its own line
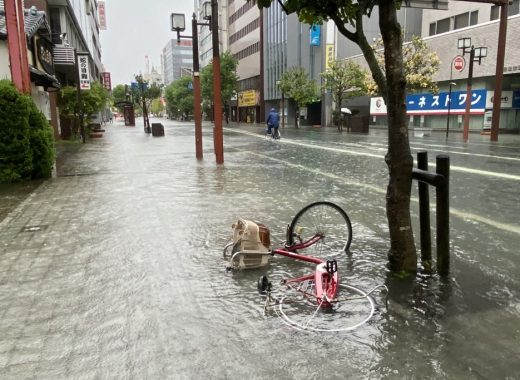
459, 63
107, 82
102, 15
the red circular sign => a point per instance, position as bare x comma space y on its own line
459, 63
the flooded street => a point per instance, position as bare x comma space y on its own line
114, 269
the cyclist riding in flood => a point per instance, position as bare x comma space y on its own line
273, 122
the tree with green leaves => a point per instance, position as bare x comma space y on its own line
179, 97
344, 79
143, 94
157, 107
296, 84
119, 97
420, 65
348, 16
26, 138
90, 103
228, 79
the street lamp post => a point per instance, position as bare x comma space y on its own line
449, 107
475, 55
178, 25
217, 99
283, 104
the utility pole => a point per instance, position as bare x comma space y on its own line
217, 93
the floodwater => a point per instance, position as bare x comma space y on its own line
133, 283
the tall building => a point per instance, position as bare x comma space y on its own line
204, 34
245, 35
287, 44
177, 59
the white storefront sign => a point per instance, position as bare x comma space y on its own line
507, 99
84, 72
377, 106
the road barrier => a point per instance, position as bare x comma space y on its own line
441, 180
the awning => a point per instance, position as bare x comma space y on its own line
41, 78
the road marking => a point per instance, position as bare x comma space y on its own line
453, 211
373, 155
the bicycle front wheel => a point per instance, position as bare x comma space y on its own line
329, 221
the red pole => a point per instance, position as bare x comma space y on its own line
17, 45
217, 98
499, 73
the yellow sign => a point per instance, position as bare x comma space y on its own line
329, 55
247, 98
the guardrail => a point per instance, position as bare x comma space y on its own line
441, 180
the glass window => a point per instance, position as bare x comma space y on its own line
514, 8
495, 12
432, 29
443, 26
461, 21
473, 18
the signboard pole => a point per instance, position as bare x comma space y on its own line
499, 75
78, 98
468, 95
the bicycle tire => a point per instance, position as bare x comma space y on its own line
324, 218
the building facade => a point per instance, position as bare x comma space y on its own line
288, 43
245, 41
441, 31
479, 22
59, 28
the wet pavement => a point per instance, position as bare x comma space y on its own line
114, 268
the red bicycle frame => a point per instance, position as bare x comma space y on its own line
325, 275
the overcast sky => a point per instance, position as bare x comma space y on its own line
136, 28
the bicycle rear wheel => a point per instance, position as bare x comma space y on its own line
326, 219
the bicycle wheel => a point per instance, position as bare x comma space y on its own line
326, 219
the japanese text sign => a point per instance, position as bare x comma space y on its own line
436, 104
83, 72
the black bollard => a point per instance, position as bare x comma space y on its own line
424, 214
443, 215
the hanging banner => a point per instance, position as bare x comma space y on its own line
84, 72
315, 35
102, 15
107, 82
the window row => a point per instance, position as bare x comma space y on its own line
250, 50
244, 31
252, 83
243, 9
455, 22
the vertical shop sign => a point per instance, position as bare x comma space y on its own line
84, 72
102, 15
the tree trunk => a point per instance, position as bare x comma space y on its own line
402, 254
297, 117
